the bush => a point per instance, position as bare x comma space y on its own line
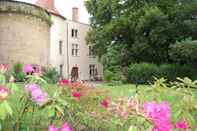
184, 52
172, 71
108, 75
144, 73
51, 75
17, 72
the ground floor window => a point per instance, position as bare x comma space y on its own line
93, 70
61, 70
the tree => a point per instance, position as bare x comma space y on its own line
184, 52
143, 29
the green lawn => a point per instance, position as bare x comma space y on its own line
118, 90
121, 89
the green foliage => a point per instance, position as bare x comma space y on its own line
142, 73
125, 32
17, 72
184, 52
50, 74
179, 94
108, 75
19, 112
172, 71
145, 73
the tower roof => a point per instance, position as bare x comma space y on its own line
49, 5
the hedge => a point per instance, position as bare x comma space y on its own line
144, 73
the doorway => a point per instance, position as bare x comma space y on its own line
74, 74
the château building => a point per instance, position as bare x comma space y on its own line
38, 34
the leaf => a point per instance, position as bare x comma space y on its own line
51, 112
7, 107
59, 109
132, 128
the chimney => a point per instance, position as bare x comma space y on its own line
75, 14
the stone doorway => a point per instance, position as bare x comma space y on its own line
74, 74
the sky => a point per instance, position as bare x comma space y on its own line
65, 8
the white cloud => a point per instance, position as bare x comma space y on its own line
65, 8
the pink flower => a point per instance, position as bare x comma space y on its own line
181, 125
76, 95
39, 96
3, 93
28, 68
65, 127
105, 103
63, 82
74, 85
31, 87
159, 114
3, 68
52, 128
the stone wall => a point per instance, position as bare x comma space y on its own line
24, 38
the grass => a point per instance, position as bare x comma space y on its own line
119, 90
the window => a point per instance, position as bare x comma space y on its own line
74, 33
92, 70
91, 51
75, 50
60, 47
61, 70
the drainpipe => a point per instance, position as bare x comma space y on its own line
68, 68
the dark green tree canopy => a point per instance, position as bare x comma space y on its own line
125, 31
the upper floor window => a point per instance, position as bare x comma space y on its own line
74, 33
75, 50
91, 51
60, 47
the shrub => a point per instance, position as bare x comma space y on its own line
184, 52
17, 72
108, 75
50, 74
172, 71
144, 72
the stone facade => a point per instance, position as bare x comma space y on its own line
26, 36
83, 60
23, 38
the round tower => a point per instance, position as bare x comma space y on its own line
24, 33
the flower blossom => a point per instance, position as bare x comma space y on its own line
181, 125
3, 93
63, 82
52, 128
64, 127
76, 95
28, 68
105, 103
39, 96
3, 68
159, 114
